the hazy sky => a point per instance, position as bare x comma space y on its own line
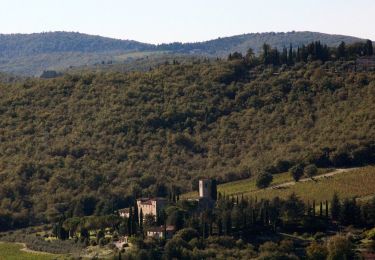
157, 21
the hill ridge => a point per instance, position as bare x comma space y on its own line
31, 54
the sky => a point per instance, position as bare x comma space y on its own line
162, 21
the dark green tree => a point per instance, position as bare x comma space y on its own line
297, 172
335, 207
311, 170
264, 180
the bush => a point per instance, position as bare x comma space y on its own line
188, 234
264, 180
102, 241
297, 172
316, 251
311, 170
318, 235
339, 247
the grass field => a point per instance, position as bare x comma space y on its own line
12, 251
355, 183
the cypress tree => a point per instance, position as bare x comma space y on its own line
214, 190
130, 224
313, 208
290, 55
335, 207
136, 216
219, 227
321, 209
141, 221
308, 208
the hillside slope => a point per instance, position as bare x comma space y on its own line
31, 54
106, 136
221, 47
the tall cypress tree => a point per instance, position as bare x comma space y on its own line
313, 208
321, 209
141, 221
136, 216
214, 189
219, 226
130, 224
335, 207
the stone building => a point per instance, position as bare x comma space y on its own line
151, 206
207, 193
159, 232
207, 189
124, 213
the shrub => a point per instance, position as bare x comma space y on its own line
339, 247
316, 251
264, 180
296, 171
311, 170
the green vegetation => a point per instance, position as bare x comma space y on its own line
11, 251
353, 183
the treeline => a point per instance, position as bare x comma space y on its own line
232, 218
315, 51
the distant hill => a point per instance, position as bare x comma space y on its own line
31, 54
241, 43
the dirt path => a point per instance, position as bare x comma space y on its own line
28, 250
326, 175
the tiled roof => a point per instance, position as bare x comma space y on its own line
148, 201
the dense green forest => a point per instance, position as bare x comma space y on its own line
94, 141
31, 54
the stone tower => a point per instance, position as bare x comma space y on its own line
205, 187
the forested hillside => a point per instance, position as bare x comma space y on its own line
89, 142
31, 54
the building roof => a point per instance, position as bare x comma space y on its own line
161, 229
148, 201
124, 210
